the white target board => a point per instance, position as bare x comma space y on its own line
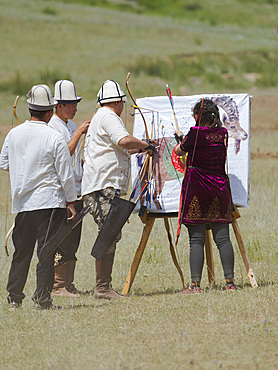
166, 179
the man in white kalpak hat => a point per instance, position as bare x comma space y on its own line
107, 170
65, 260
43, 191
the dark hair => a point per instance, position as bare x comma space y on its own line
210, 115
38, 114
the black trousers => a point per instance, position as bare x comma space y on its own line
30, 227
69, 246
197, 236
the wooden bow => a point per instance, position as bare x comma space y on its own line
147, 165
182, 199
84, 137
12, 227
14, 110
128, 89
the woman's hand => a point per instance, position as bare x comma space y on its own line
179, 136
179, 151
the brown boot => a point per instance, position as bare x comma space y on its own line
70, 277
59, 287
103, 278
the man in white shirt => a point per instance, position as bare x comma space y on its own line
42, 186
65, 259
107, 170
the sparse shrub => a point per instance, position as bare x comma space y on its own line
213, 21
193, 7
20, 84
198, 41
49, 76
49, 11
17, 84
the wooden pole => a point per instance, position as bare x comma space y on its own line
138, 255
209, 258
244, 255
172, 251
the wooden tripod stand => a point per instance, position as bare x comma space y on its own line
149, 219
241, 247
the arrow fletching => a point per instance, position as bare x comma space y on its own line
170, 96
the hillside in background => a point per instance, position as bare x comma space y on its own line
194, 46
236, 12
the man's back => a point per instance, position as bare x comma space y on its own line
39, 164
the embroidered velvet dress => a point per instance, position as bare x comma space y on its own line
205, 192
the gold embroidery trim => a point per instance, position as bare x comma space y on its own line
213, 214
214, 210
214, 137
194, 212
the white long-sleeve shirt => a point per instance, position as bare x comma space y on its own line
38, 160
67, 130
106, 164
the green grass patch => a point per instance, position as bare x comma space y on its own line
16, 84
243, 13
20, 83
241, 70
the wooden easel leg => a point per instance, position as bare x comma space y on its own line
172, 251
209, 258
138, 255
244, 254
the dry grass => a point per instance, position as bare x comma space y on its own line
154, 327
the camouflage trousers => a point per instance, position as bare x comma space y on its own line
101, 201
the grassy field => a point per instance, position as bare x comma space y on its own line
196, 47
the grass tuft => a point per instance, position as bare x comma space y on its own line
192, 7
49, 76
49, 11
17, 84
20, 84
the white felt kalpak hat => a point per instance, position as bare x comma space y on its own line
40, 98
111, 91
65, 92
